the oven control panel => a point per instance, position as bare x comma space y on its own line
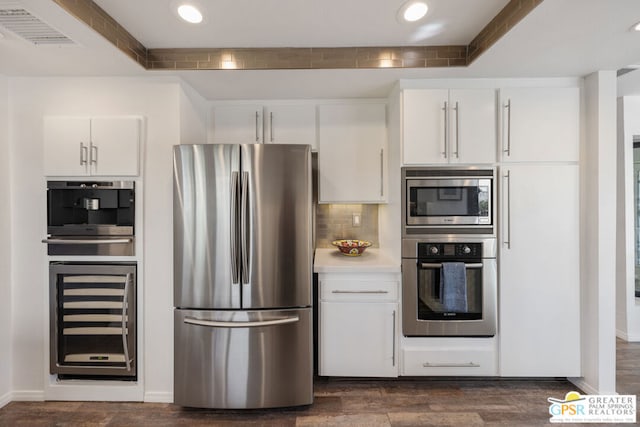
450, 250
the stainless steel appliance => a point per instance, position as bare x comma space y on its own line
90, 217
242, 275
92, 320
465, 305
445, 200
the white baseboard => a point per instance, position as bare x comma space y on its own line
5, 399
158, 397
625, 336
28, 396
582, 385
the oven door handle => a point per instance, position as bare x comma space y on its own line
439, 265
86, 241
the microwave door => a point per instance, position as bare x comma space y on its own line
205, 222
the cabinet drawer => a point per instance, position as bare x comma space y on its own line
358, 290
454, 362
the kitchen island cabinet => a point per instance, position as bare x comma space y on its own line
358, 314
91, 146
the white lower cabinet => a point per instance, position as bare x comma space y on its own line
449, 357
539, 316
358, 330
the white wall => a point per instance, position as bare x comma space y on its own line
598, 231
158, 100
627, 306
5, 252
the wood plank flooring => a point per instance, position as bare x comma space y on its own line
347, 402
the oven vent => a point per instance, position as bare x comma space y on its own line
30, 28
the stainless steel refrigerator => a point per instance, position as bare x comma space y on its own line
242, 275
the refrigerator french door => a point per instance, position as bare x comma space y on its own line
242, 275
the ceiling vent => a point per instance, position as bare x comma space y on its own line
30, 28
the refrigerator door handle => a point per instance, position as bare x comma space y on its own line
235, 272
250, 324
244, 194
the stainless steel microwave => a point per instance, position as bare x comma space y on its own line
448, 200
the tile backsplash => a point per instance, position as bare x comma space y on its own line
335, 222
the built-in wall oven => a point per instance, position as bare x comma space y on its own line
90, 218
449, 286
448, 201
449, 265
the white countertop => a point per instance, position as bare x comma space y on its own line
373, 260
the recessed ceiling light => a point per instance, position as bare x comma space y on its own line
636, 27
190, 13
413, 11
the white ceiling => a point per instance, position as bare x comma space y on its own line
558, 38
301, 23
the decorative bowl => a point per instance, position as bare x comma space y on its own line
351, 247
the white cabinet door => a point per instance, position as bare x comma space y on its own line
352, 153
358, 339
236, 124
66, 146
80, 146
290, 124
539, 290
540, 124
448, 126
424, 137
472, 126
115, 145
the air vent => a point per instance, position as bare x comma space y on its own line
30, 28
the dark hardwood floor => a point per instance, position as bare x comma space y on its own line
347, 402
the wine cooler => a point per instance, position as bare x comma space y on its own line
93, 320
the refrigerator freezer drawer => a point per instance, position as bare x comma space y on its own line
243, 359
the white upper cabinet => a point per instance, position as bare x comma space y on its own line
271, 124
236, 124
441, 126
99, 146
540, 124
290, 124
352, 154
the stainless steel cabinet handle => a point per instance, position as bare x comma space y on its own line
457, 110
439, 265
93, 153
235, 276
382, 172
86, 241
257, 128
507, 107
83, 154
250, 324
507, 179
446, 128
125, 344
393, 342
338, 291
243, 227
271, 126
450, 365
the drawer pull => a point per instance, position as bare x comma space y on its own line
450, 365
337, 291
